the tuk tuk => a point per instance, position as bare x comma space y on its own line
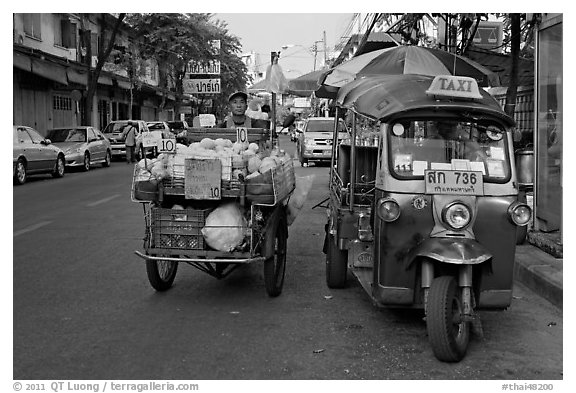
424, 205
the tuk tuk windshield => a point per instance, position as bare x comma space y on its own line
418, 145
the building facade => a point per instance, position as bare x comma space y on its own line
50, 74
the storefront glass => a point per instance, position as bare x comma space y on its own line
549, 135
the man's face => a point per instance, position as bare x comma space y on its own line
238, 106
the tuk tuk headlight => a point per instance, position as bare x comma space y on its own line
520, 213
388, 209
456, 215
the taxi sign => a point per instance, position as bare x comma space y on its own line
454, 86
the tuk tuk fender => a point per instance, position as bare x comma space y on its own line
458, 251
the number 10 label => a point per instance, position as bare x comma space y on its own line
167, 146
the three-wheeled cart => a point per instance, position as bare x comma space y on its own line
175, 235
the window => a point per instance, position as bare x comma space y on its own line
91, 134
32, 25
64, 32
36, 137
61, 103
23, 136
418, 145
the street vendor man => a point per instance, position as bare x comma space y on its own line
238, 102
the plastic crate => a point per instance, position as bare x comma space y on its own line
177, 228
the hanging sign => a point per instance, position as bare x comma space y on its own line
211, 68
202, 178
201, 86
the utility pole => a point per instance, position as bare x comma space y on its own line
325, 50
315, 53
273, 60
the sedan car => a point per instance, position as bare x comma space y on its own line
315, 141
83, 146
34, 154
160, 129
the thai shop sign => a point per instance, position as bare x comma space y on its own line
201, 86
210, 68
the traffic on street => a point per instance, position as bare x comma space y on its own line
77, 277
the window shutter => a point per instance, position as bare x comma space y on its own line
65, 32
94, 43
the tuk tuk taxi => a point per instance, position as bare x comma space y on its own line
424, 205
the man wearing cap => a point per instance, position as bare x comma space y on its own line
238, 104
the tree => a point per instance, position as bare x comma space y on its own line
174, 40
103, 55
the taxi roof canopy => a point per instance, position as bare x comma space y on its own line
385, 97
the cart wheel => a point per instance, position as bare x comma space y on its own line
275, 265
448, 333
161, 274
336, 265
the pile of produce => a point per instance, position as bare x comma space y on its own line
247, 160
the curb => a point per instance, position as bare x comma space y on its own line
540, 272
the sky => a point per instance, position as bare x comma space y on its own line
265, 33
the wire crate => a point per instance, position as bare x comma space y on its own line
178, 229
272, 186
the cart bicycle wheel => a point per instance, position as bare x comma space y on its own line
449, 334
336, 265
161, 274
275, 263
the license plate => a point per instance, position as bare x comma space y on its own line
454, 182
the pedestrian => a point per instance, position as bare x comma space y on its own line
237, 117
129, 135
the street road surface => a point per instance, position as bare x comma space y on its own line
83, 307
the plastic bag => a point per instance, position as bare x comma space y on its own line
225, 227
298, 197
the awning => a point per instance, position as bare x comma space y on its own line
49, 71
75, 76
23, 62
105, 80
123, 84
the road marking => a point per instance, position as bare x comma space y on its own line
31, 228
101, 201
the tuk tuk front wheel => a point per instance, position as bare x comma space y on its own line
449, 334
161, 274
276, 243
336, 265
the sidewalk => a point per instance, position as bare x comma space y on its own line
539, 270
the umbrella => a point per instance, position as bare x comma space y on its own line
258, 87
305, 84
400, 60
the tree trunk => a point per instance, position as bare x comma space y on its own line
93, 74
510, 105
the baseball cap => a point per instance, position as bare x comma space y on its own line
238, 94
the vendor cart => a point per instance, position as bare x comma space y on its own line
177, 217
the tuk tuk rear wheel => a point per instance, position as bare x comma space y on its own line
336, 265
449, 334
276, 242
161, 274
